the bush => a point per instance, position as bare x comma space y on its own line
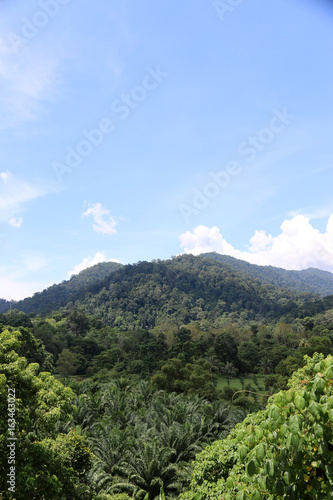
284, 451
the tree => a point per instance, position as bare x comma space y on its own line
49, 465
283, 452
230, 370
78, 322
148, 471
190, 378
67, 363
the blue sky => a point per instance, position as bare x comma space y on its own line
140, 130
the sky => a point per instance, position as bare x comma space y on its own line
134, 131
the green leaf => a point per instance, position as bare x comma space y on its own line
295, 440
329, 372
314, 409
230, 483
272, 468
240, 436
295, 424
260, 452
318, 430
330, 415
300, 402
320, 384
279, 487
251, 468
250, 429
290, 395
274, 413
286, 478
243, 451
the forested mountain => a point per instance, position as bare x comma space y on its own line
181, 290
4, 305
311, 280
167, 357
57, 296
188, 289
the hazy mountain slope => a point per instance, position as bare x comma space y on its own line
4, 305
309, 280
180, 290
59, 295
187, 289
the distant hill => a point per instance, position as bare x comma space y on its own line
208, 289
189, 289
4, 305
309, 280
69, 291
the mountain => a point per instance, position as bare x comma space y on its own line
181, 290
4, 305
209, 289
69, 291
311, 280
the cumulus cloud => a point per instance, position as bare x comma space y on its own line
298, 246
90, 261
103, 221
15, 192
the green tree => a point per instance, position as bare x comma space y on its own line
148, 471
67, 363
48, 464
283, 452
230, 370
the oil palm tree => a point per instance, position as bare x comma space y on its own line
148, 470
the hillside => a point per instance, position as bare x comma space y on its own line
4, 305
207, 289
311, 280
59, 295
189, 289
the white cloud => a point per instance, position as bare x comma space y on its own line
16, 222
90, 261
16, 289
103, 221
205, 239
16, 282
298, 246
25, 83
15, 192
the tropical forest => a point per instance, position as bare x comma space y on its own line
198, 377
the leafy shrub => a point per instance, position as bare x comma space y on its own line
285, 451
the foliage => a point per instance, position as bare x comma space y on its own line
49, 465
56, 296
190, 378
144, 440
182, 290
67, 363
285, 451
315, 281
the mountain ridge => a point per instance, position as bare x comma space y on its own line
185, 288
315, 280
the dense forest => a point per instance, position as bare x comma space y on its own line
182, 378
315, 281
59, 295
182, 290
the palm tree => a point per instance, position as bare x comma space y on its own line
266, 364
109, 446
230, 370
149, 470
